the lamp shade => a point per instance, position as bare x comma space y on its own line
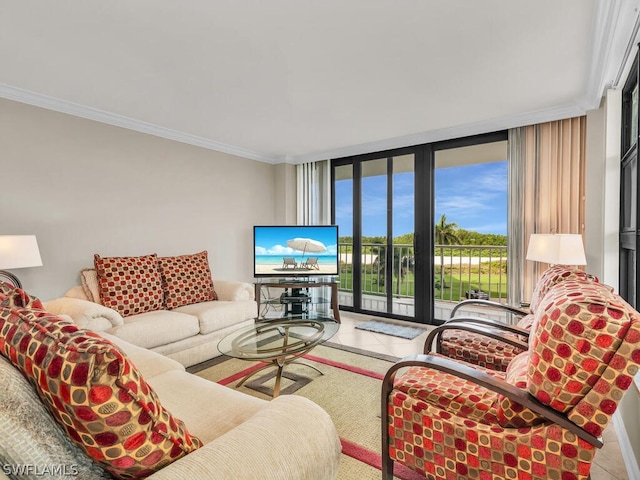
556, 249
19, 251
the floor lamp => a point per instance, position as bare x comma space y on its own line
18, 251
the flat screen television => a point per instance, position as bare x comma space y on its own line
295, 250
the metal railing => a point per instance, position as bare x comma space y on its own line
458, 270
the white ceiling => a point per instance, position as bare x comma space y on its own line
300, 80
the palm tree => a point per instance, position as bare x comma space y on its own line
445, 235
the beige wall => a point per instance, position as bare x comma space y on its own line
84, 187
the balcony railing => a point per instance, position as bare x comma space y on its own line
458, 270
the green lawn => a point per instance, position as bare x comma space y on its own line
456, 286
454, 289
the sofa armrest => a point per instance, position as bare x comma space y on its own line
229, 290
85, 314
291, 438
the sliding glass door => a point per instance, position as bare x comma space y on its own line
384, 204
374, 207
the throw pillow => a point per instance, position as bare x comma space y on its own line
130, 285
32, 437
94, 392
579, 326
512, 414
90, 284
186, 279
11, 296
553, 275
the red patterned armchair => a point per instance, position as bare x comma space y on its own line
491, 349
541, 418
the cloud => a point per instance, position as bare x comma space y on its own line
472, 194
488, 227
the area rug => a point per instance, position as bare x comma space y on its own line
392, 329
348, 390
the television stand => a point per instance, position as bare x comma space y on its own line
298, 297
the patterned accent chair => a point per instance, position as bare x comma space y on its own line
490, 349
540, 419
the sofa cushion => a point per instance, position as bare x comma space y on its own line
214, 316
95, 392
130, 285
150, 364
32, 437
186, 279
579, 326
192, 396
510, 413
478, 349
151, 329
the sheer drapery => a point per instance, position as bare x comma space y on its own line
516, 247
546, 194
313, 193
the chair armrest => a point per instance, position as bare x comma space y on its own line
85, 314
291, 438
229, 290
485, 380
476, 325
489, 323
489, 304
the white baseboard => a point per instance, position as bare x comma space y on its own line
629, 457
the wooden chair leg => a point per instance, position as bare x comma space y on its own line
387, 463
387, 466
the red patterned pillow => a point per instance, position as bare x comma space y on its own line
512, 414
580, 327
129, 285
554, 275
186, 279
11, 297
94, 392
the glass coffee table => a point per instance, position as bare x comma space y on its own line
280, 341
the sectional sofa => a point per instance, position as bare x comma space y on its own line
78, 404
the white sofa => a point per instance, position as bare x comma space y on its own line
188, 334
287, 438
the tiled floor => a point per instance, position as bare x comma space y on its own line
608, 463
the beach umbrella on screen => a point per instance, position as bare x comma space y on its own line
305, 245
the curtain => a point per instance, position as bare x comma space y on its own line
313, 193
516, 246
546, 192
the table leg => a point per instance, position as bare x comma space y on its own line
276, 387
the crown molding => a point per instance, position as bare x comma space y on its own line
615, 30
63, 106
460, 131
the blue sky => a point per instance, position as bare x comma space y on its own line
473, 196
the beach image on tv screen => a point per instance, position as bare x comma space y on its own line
295, 250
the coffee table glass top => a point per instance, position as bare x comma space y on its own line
280, 337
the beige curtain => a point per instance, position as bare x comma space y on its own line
547, 192
313, 193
